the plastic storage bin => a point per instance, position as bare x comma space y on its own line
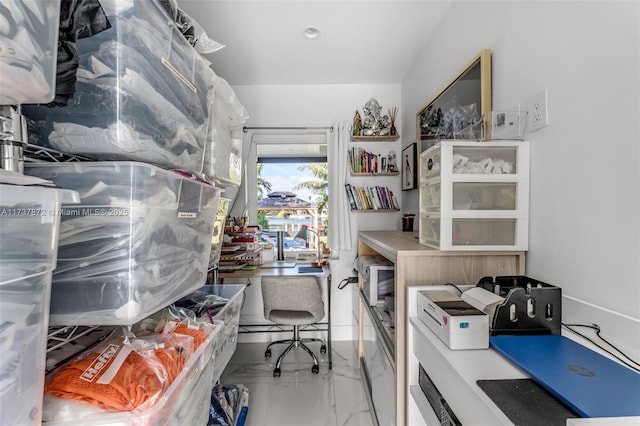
181, 404
28, 51
223, 151
218, 231
219, 303
510, 125
142, 94
475, 195
230, 316
139, 240
29, 224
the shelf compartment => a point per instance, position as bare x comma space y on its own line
139, 239
473, 233
141, 94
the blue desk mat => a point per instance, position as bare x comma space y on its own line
309, 269
589, 383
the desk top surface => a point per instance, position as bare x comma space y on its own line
275, 272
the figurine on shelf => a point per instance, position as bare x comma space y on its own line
373, 124
391, 162
357, 124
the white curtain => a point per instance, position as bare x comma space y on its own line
339, 221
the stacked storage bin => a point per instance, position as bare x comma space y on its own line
223, 154
29, 217
29, 222
475, 195
139, 240
28, 51
206, 304
141, 94
141, 236
185, 401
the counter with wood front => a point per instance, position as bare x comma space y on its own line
416, 264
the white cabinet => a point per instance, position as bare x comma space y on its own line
417, 265
475, 195
378, 362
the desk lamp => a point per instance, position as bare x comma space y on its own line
302, 236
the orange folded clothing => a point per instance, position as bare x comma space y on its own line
198, 335
119, 377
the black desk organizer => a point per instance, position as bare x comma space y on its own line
530, 306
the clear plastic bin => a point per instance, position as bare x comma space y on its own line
139, 240
219, 303
484, 196
230, 316
24, 309
28, 51
430, 164
180, 405
508, 125
223, 151
490, 160
29, 223
430, 197
477, 233
475, 195
430, 231
484, 232
142, 94
218, 231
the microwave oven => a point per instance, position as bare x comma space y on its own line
378, 283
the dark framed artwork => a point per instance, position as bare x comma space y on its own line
409, 168
462, 109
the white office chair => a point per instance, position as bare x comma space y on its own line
295, 301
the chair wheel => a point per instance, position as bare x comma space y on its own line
267, 353
315, 369
276, 372
323, 349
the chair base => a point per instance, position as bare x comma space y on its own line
295, 343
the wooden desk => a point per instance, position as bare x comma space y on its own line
417, 265
291, 272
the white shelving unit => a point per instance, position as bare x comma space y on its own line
475, 195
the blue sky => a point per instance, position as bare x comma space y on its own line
284, 176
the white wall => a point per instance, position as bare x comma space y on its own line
585, 182
320, 106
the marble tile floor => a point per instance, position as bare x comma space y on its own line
298, 397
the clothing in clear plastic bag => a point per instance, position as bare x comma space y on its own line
124, 372
227, 402
203, 303
457, 119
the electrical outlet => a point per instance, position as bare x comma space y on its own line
538, 111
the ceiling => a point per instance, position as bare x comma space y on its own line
360, 42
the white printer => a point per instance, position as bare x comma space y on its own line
453, 319
464, 316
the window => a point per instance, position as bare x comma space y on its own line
290, 181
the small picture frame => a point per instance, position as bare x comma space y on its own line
409, 168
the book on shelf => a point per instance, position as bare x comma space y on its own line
350, 197
371, 198
362, 161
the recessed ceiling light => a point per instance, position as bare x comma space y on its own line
311, 32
